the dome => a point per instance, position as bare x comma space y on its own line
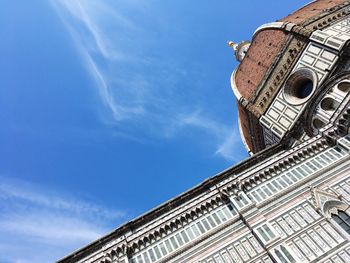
263, 49
310, 10
266, 50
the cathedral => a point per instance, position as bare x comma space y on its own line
289, 202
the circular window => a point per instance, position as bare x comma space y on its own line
344, 86
329, 104
300, 86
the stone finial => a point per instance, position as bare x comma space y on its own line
240, 49
231, 44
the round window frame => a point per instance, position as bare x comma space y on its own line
299, 75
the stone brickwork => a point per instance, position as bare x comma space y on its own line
311, 10
262, 51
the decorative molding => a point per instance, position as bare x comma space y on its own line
319, 197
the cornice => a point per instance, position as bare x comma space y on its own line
283, 163
328, 17
206, 186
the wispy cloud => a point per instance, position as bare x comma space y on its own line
92, 15
83, 20
9, 191
46, 224
49, 228
196, 119
142, 92
228, 148
119, 111
226, 138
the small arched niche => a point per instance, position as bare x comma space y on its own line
344, 86
339, 212
318, 124
332, 206
329, 104
300, 86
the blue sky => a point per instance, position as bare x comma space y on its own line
110, 108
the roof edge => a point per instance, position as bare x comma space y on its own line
234, 85
243, 137
267, 26
174, 202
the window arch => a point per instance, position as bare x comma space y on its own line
288, 255
343, 220
280, 256
333, 206
329, 104
339, 212
284, 256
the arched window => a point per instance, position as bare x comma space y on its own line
329, 104
280, 256
284, 256
344, 86
343, 220
288, 255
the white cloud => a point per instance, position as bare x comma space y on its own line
226, 138
197, 120
37, 225
119, 112
100, 45
49, 227
107, 37
91, 14
228, 148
